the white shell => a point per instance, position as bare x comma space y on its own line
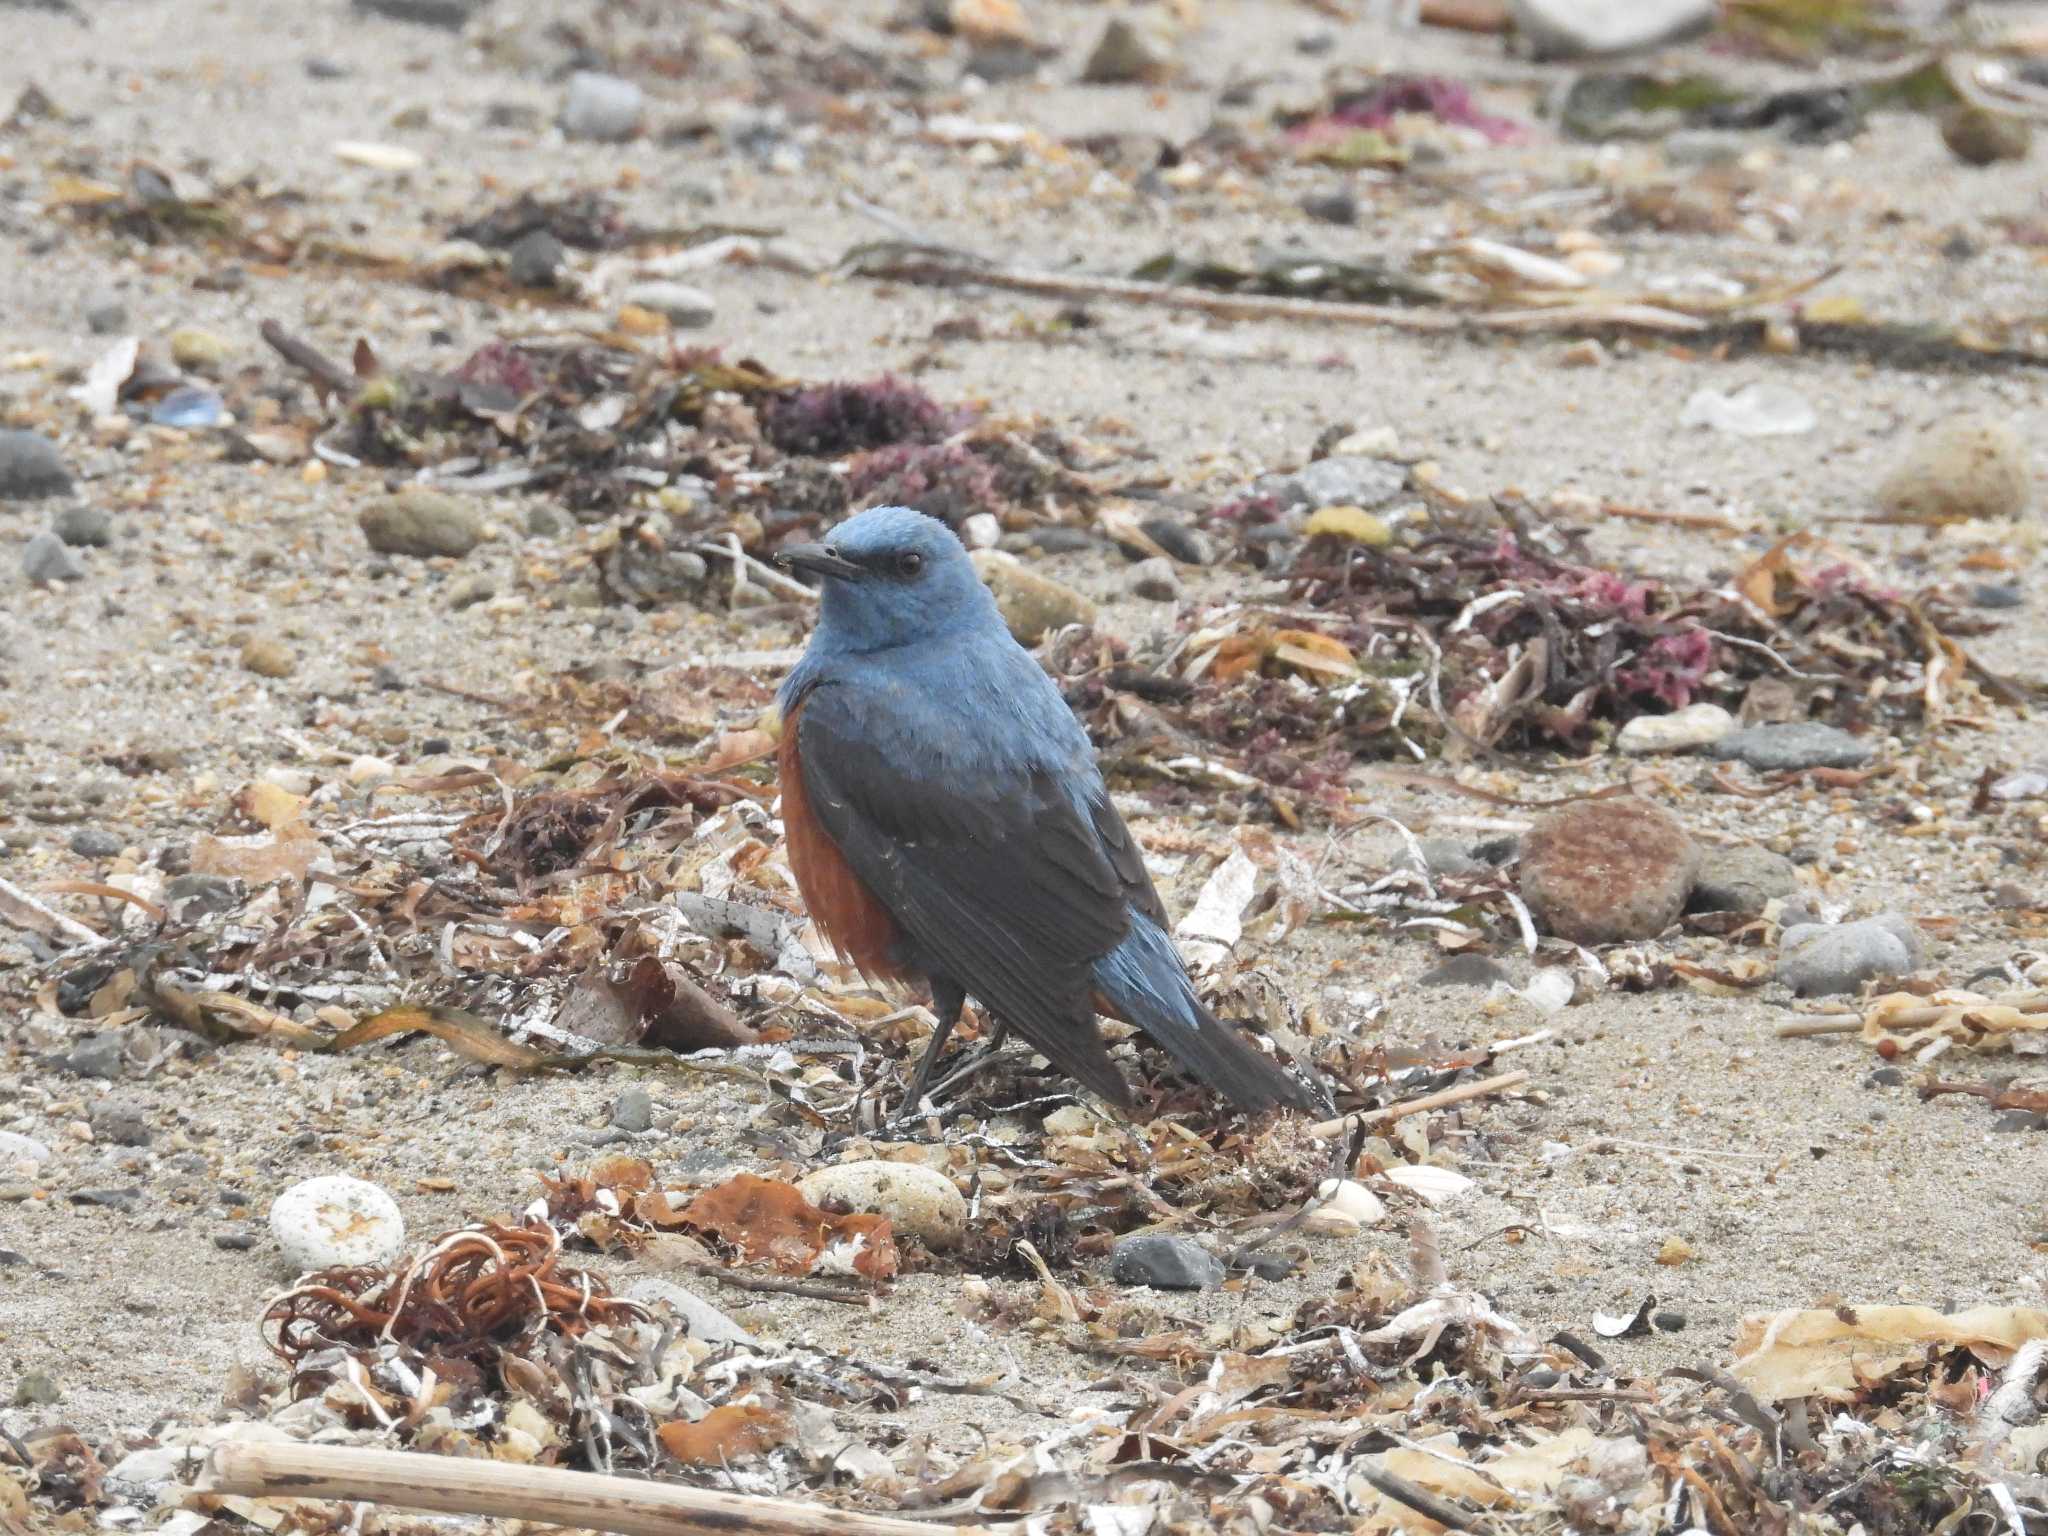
336, 1220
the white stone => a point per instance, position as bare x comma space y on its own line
919, 1200
1697, 725
17, 1148
1577, 29
336, 1220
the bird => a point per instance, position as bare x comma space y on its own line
947, 824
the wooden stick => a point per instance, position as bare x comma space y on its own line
921, 267
18, 909
1904, 1018
1485, 1087
457, 1485
1824, 1024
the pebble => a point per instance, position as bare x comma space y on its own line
36, 1389
123, 1121
1189, 546
1465, 971
1790, 747
82, 526
267, 658
1033, 606
1745, 878
980, 530
1582, 29
106, 315
535, 259
1165, 1263
451, 15
679, 303
1668, 1322
1338, 205
1128, 51
1885, 1077
46, 558
199, 351
17, 1148
1341, 480
701, 1320
1998, 594
1964, 468
103, 1054
1696, 725
30, 466
334, 1219
1819, 960
423, 523
919, 1200
2020, 1120
234, 1242
1155, 579
546, 522
126, 1200
633, 1110
1607, 871
1444, 856
96, 843
602, 107
1976, 136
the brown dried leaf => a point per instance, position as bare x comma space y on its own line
474, 1037
734, 1432
768, 1219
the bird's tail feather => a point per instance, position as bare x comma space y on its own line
1144, 983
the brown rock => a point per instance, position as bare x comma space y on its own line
1980, 137
423, 523
267, 658
1607, 871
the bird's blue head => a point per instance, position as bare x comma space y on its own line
892, 577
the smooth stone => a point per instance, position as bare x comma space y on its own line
1607, 871
84, 526
336, 1220
1033, 606
1155, 579
105, 316
602, 107
1466, 971
267, 658
103, 1054
449, 15
1341, 480
1790, 747
125, 1122
1165, 1263
1337, 206
1696, 725
1127, 52
2019, 1120
1581, 29
422, 523
1189, 546
199, 351
633, 1110
1998, 594
1745, 878
919, 1200
1966, 468
678, 303
1819, 960
30, 467
46, 558
701, 1320
1977, 136
535, 259
17, 1148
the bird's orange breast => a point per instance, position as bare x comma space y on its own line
853, 921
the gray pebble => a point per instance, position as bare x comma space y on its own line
1885, 1077
1787, 748
1337, 206
125, 1122
47, 558
422, 523
1341, 480
1668, 1322
633, 1110
1165, 1263
234, 1242
103, 1054
30, 466
1741, 879
1999, 595
106, 315
83, 526
535, 259
97, 843
1815, 960
1190, 546
546, 522
113, 1199
701, 1320
2020, 1120
450, 15
1465, 971
1155, 579
602, 107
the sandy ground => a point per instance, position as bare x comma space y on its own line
1793, 1181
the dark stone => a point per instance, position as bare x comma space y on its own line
1270, 1266
127, 1200
1998, 595
125, 1122
535, 259
1668, 1322
83, 526
1336, 206
102, 1054
1185, 544
1885, 1077
449, 15
2020, 1120
235, 1242
633, 1110
1791, 747
434, 746
96, 843
31, 467
1165, 1263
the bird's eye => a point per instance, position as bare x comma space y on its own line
832, 551
909, 563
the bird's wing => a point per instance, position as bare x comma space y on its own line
1001, 885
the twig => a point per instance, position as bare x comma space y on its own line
1905, 1018
918, 266
1825, 1024
1485, 1087
772, 1285
538, 1495
1714, 520
306, 357
1417, 1498
18, 909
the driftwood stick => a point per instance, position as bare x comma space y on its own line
18, 909
921, 267
1484, 1088
1906, 1018
1821, 1024
1417, 1498
456, 1485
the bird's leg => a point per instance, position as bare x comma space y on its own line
947, 1001
980, 1057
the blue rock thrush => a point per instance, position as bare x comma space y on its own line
946, 821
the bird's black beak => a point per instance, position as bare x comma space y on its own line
819, 560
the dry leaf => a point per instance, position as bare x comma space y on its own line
734, 1432
766, 1219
